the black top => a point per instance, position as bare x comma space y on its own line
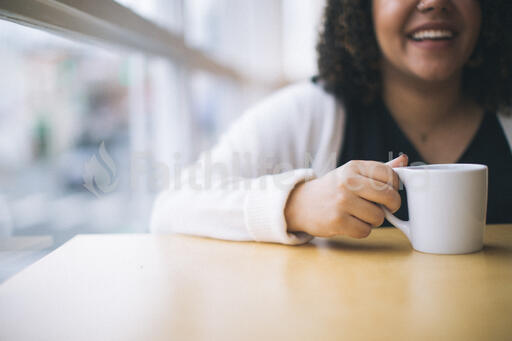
375, 135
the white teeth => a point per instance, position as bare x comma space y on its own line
432, 34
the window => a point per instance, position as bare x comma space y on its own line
64, 126
97, 93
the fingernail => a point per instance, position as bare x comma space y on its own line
406, 162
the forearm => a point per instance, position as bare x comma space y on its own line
294, 209
245, 209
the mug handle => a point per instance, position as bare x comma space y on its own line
402, 225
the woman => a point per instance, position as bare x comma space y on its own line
430, 79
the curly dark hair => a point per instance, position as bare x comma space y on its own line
348, 55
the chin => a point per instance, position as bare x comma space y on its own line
437, 74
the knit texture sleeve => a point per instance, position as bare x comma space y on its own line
238, 190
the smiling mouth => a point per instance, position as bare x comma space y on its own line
434, 35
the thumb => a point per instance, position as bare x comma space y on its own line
401, 161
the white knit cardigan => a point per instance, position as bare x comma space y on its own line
238, 190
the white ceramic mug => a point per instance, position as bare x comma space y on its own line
447, 207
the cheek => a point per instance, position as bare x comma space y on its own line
469, 9
389, 17
472, 14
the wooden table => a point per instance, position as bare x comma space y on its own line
144, 287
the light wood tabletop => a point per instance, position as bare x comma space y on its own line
147, 287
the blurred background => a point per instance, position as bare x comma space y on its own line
89, 131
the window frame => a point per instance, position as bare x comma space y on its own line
108, 22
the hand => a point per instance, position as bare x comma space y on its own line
345, 201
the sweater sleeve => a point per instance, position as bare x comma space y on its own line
238, 190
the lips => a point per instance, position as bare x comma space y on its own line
433, 32
433, 35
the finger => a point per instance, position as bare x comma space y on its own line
401, 161
379, 171
356, 228
365, 210
375, 191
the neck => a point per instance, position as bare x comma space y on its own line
420, 103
